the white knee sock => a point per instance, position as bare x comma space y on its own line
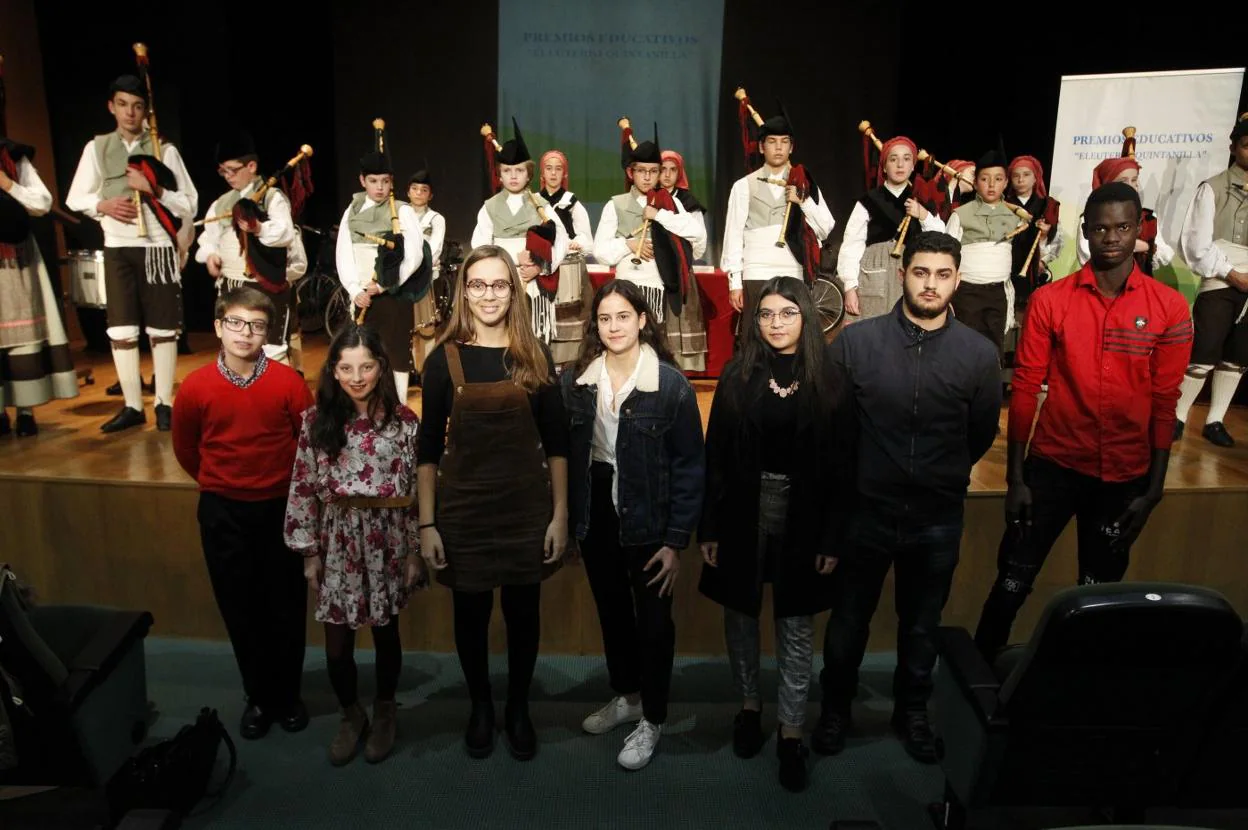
165, 361
127, 363
400, 383
1188, 390
1225, 382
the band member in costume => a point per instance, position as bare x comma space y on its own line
258, 245
866, 263
1215, 245
141, 271
522, 223
985, 297
576, 291
1151, 251
1027, 190
377, 277
959, 192
686, 332
756, 213
652, 241
433, 227
34, 352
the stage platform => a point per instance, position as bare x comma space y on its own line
111, 520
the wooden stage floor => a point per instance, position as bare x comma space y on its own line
112, 520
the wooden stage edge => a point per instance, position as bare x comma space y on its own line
112, 520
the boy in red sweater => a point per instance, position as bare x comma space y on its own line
235, 425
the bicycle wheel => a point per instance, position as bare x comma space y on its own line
829, 302
338, 311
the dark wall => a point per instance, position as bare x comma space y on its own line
432, 74
270, 72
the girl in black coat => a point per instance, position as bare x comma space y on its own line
779, 485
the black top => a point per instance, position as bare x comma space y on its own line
778, 419
885, 212
483, 364
928, 404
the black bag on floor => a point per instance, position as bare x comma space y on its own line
174, 774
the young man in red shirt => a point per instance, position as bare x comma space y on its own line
235, 425
1113, 345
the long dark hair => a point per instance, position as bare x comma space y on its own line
334, 408
651, 334
755, 354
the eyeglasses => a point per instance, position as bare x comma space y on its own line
499, 288
788, 316
237, 324
226, 171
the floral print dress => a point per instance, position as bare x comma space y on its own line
364, 549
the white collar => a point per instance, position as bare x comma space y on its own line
895, 189
646, 371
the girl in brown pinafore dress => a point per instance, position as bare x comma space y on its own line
493, 475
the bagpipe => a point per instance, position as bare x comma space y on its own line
539, 240
391, 245
925, 189
747, 115
267, 264
158, 175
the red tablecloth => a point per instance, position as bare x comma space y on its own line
716, 311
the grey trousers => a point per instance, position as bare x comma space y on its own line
795, 636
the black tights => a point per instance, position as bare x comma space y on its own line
340, 657
522, 612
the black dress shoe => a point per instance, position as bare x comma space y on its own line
6, 427
915, 731
829, 735
255, 723
294, 718
521, 736
164, 417
124, 419
26, 425
1178, 430
792, 754
747, 733
146, 387
1216, 433
114, 390
479, 735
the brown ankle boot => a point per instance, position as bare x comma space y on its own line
381, 735
351, 728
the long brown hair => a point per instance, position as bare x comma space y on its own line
651, 334
526, 360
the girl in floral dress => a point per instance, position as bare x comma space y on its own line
352, 514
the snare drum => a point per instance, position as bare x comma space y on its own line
86, 278
571, 279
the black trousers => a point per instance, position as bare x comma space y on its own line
1058, 494
638, 634
261, 593
983, 308
923, 557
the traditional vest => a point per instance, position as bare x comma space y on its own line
628, 214
1230, 201
982, 222
765, 209
885, 212
508, 225
374, 220
112, 157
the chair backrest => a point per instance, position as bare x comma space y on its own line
24, 655
1216, 778
1111, 693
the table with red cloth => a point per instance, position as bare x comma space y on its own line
717, 311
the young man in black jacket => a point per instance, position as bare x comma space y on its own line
928, 392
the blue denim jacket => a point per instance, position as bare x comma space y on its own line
659, 454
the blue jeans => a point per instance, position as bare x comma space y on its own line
924, 557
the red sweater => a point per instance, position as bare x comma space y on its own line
1113, 369
240, 443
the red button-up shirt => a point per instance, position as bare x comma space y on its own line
1113, 367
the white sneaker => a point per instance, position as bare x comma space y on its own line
618, 711
639, 747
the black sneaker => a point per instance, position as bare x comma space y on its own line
915, 731
1216, 434
829, 735
792, 754
521, 736
747, 733
479, 734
